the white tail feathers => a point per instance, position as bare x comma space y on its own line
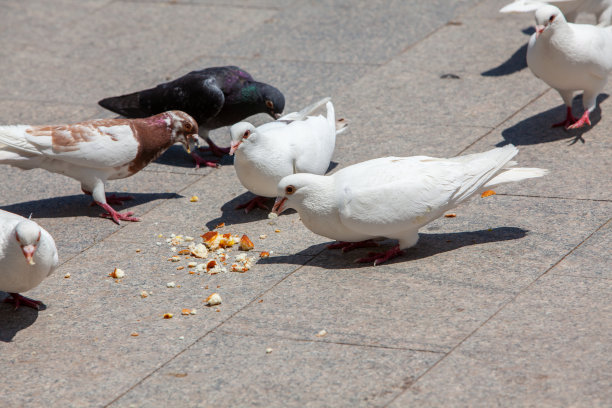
13, 143
515, 174
301, 115
522, 6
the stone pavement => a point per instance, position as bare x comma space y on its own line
508, 304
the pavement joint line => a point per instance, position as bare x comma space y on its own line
583, 276
523, 290
188, 347
191, 3
505, 120
341, 343
599, 200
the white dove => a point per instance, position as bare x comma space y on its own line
393, 197
570, 57
295, 143
570, 8
97, 150
27, 256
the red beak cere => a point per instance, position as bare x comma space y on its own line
279, 205
28, 252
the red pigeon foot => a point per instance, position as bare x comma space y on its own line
349, 246
198, 160
584, 120
216, 150
380, 257
569, 119
258, 202
19, 300
115, 216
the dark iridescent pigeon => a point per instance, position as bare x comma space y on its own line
214, 97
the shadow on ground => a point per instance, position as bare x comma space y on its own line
12, 321
537, 129
428, 245
78, 205
517, 61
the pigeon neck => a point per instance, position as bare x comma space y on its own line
154, 136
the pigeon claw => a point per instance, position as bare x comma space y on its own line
259, 202
20, 300
208, 163
380, 257
349, 246
116, 216
584, 120
569, 120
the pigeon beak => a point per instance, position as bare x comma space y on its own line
279, 205
192, 144
277, 115
234, 147
539, 29
28, 252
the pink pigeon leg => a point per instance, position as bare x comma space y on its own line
216, 150
569, 119
198, 160
114, 215
380, 257
20, 300
259, 202
584, 120
349, 246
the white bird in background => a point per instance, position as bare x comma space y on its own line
393, 197
570, 8
295, 143
570, 57
27, 256
97, 150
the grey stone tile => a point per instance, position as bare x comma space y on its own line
592, 258
342, 34
230, 370
578, 160
549, 347
462, 270
73, 345
19, 112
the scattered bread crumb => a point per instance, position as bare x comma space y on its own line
170, 285
194, 199
144, 294
117, 273
450, 215
168, 315
488, 193
66, 276
213, 300
186, 312
321, 333
246, 244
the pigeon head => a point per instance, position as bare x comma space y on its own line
184, 130
301, 190
27, 234
242, 132
273, 100
548, 17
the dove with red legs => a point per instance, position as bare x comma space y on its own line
97, 150
570, 58
27, 256
392, 197
214, 97
295, 143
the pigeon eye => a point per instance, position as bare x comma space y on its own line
246, 134
290, 190
270, 104
552, 18
188, 126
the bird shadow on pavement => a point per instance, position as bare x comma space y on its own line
428, 245
233, 216
78, 205
176, 156
537, 129
517, 61
12, 321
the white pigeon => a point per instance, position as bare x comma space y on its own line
570, 8
97, 150
393, 197
27, 256
295, 143
570, 57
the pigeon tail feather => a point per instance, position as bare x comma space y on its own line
126, 105
13, 142
301, 115
516, 174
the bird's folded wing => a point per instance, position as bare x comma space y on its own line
98, 144
523, 6
394, 192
